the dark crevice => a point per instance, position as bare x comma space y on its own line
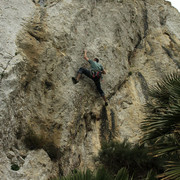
3, 72
138, 42
35, 36
60, 170
151, 46
169, 53
42, 3
107, 130
170, 37
48, 85
146, 26
118, 87
130, 54
104, 125
25, 85
163, 20
145, 19
33, 141
88, 124
144, 85
138, 45
113, 121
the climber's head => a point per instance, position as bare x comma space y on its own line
96, 59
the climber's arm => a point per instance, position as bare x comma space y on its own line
103, 71
85, 55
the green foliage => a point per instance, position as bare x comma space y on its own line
162, 125
172, 171
135, 158
33, 141
166, 92
130, 73
78, 175
122, 174
163, 112
15, 167
151, 175
101, 174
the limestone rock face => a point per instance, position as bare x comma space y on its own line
42, 45
37, 166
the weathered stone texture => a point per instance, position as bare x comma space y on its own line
36, 166
42, 44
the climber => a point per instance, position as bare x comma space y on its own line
95, 73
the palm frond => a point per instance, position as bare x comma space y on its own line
167, 90
78, 175
102, 174
158, 125
162, 124
172, 172
122, 174
166, 148
151, 175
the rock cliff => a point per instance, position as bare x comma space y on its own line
48, 124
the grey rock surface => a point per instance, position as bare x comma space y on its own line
37, 166
41, 48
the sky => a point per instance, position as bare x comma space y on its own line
175, 3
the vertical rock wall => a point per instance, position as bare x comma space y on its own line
42, 47
12, 16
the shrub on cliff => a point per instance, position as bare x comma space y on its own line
101, 174
135, 158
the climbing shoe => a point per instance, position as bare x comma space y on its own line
74, 80
106, 104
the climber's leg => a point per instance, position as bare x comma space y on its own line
98, 86
80, 72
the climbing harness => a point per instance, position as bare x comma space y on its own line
96, 74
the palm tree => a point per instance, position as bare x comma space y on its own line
162, 124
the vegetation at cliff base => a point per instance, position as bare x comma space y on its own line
162, 126
136, 159
101, 174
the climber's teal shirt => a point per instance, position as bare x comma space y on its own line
95, 66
